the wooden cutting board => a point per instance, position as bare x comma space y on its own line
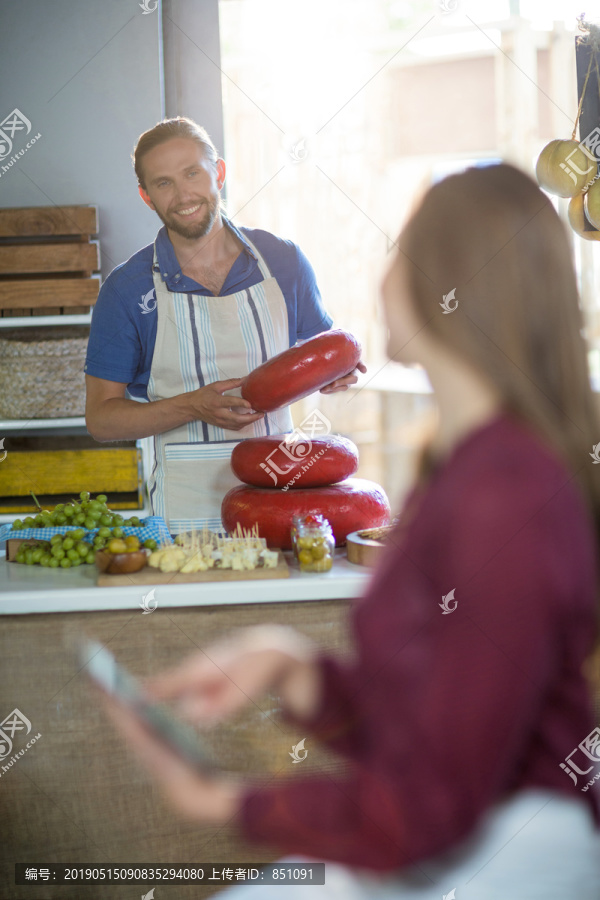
149, 575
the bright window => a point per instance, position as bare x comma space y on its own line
339, 113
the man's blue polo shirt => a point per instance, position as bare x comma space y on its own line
123, 334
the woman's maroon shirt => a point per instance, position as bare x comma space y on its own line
443, 715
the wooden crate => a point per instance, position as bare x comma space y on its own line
47, 260
57, 469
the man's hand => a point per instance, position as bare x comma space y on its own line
209, 405
342, 384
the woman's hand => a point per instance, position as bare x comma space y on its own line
342, 384
209, 686
218, 682
212, 801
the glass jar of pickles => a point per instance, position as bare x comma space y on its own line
313, 543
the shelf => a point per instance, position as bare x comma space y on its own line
49, 426
20, 321
21, 425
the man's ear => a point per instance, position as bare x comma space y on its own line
221, 170
145, 197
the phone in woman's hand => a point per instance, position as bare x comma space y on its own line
102, 667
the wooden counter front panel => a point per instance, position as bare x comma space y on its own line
78, 796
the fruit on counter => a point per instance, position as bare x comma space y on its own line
591, 204
575, 212
564, 168
127, 544
87, 512
61, 551
302, 369
105, 535
313, 543
71, 550
350, 506
272, 462
123, 555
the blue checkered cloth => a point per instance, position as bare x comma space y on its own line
154, 527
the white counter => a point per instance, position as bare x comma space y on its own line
35, 589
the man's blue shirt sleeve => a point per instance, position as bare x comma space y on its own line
311, 315
114, 350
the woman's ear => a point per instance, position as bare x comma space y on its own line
145, 197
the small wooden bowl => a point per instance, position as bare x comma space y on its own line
364, 548
121, 563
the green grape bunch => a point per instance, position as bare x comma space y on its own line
85, 513
70, 550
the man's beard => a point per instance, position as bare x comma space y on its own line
197, 229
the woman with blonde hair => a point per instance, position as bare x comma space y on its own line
467, 723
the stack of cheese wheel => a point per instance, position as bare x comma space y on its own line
293, 475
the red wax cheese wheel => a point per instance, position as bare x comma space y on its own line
353, 505
299, 371
271, 462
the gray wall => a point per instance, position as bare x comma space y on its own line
88, 74
88, 77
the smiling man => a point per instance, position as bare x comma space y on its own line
185, 319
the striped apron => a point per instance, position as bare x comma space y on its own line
200, 340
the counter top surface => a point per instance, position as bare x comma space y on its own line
35, 589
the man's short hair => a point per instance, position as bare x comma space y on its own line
179, 127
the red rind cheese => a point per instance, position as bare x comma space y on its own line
270, 462
353, 505
299, 371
